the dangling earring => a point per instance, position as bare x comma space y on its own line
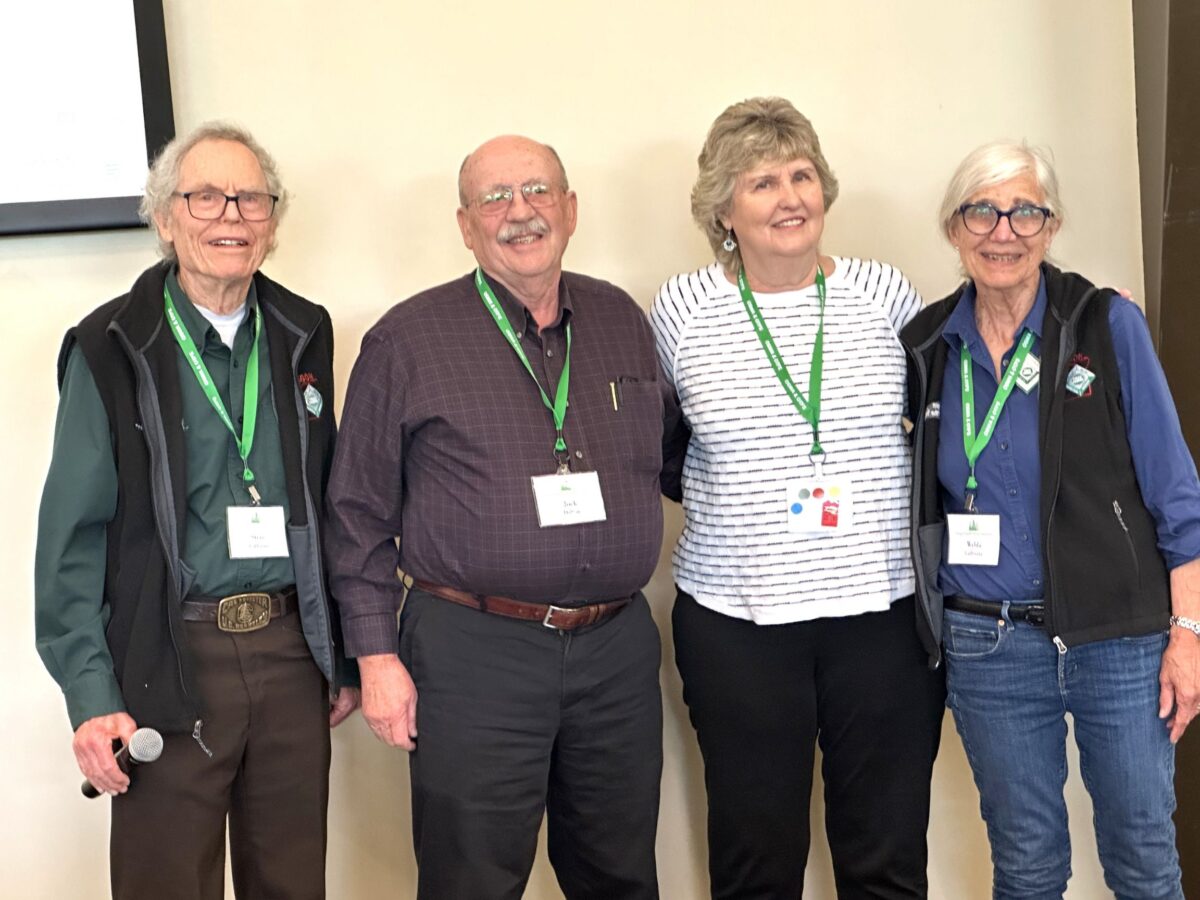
730, 244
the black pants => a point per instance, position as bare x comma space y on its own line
516, 719
267, 726
761, 696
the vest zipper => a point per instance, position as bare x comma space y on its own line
198, 739
1137, 567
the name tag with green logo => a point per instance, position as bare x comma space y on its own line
256, 532
974, 539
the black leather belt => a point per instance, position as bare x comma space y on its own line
240, 612
1033, 613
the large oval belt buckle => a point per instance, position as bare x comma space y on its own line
244, 612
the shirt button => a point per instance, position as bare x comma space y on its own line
248, 585
1012, 492
549, 352
579, 454
1025, 537
1004, 445
235, 364
520, 334
1037, 582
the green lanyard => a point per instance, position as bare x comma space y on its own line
974, 443
808, 407
558, 409
250, 413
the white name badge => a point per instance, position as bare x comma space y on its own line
819, 505
974, 539
1031, 372
256, 532
569, 499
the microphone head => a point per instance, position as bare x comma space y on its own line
145, 745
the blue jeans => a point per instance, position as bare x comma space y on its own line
1010, 689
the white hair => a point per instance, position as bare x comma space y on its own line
163, 179
993, 164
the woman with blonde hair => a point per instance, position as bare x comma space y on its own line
795, 624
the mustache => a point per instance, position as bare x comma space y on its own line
535, 226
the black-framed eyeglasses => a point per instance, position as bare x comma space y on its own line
536, 193
1024, 219
253, 206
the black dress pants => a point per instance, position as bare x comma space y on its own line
267, 726
761, 696
516, 720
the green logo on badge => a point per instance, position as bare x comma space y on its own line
313, 401
1079, 380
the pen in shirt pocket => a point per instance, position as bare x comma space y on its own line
614, 388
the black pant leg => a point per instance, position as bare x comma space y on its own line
880, 710
488, 693
751, 697
602, 806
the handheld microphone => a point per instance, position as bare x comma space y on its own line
145, 746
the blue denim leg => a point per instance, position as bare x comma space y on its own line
1127, 762
1003, 688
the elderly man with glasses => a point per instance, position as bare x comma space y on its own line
179, 583
507, 429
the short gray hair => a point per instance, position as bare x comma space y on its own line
994, 164
463, 199
163, 179
758, 130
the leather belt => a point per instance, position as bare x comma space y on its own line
561, 618
240, 612
1033, 613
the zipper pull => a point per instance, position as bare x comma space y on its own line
1062, 648
199, 740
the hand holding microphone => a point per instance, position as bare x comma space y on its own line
93, 746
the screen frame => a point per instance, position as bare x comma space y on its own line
98, 213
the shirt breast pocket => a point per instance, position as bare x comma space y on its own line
636, 423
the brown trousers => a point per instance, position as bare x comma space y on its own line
266, 723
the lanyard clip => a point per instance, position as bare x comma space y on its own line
817, 458
970, 504
563, 458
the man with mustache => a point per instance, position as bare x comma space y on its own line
527, 524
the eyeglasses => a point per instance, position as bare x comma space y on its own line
254, 206
1024, 219
536, 193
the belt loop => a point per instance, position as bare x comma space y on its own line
1004, 605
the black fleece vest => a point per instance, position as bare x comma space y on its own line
1103, 574
133, 360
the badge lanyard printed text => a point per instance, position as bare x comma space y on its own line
558, 409
973, 443
809, 407
250, 412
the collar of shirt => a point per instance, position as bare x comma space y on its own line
518, 315
961, 328
201, 330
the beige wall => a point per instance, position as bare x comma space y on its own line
370, 106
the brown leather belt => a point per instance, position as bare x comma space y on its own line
240, 612
562, 618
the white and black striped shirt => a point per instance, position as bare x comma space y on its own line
736, 554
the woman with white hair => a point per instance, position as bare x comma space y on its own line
794, 623
1057, 538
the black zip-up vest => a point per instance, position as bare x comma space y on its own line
133, 360
1103, 574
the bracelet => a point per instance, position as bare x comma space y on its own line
1184, 622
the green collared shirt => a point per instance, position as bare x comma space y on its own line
80, 498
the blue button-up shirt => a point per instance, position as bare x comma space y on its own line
1009, 471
